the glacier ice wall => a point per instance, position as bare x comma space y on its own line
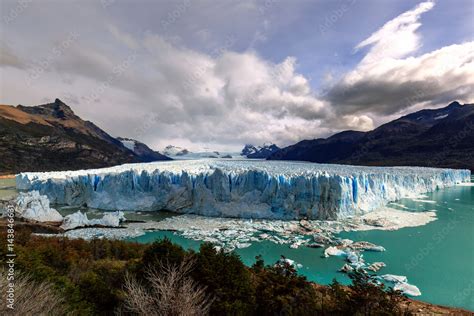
253, 189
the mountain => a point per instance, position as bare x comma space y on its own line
262, 152
51, 137
145, 153
171, 150
180, 153
433, 137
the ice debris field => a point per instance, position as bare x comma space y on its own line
246, 189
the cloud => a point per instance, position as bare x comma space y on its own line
201, 82
397, 38
9, 58
230, 98
387, 80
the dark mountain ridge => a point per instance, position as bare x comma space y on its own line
433, 138
259, 152
51, 137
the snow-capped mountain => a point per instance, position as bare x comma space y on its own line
171, 150
181, 153
262, 152
145, 153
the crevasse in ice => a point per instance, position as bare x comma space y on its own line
250, 189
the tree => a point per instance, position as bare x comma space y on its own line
31, 297
172, 292
280, 291
227, 279
368, 296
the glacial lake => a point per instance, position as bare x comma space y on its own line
438, 257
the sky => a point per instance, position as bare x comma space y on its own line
220, 74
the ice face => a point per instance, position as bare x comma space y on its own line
250, 189
31, 205
80, 219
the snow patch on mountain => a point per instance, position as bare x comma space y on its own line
180, 153
128, 143
171, 150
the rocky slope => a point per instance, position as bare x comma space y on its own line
145, 153
434, 138
51, 137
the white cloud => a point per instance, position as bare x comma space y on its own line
397, 38
222, 95
387, 80
8, 58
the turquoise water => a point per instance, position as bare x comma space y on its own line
437, 257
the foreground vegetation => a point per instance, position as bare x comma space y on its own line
104, 277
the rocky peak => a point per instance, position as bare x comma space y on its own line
57, 109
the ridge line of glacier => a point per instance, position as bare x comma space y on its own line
249, 189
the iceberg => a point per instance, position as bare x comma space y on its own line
333, 251
31, 205
282, 261
401, 284
408, 289
79, 219
241, 188
394, 278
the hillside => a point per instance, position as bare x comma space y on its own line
51, 137
433, 138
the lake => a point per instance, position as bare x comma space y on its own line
438, 257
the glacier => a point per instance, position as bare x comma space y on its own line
240, 188
33, 206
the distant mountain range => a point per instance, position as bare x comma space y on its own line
171, 150
259, 152
433, 138
180, 153
51, 137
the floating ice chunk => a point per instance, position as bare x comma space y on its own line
346, 268
345, 242
367, 246
298, 243
401, 284
376, 266
80, 219
424, 201
394, 278
109, 219
407, 289
352, 257
74, 220
333, 251
242, 245
290, 262
31, 205
247, 189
